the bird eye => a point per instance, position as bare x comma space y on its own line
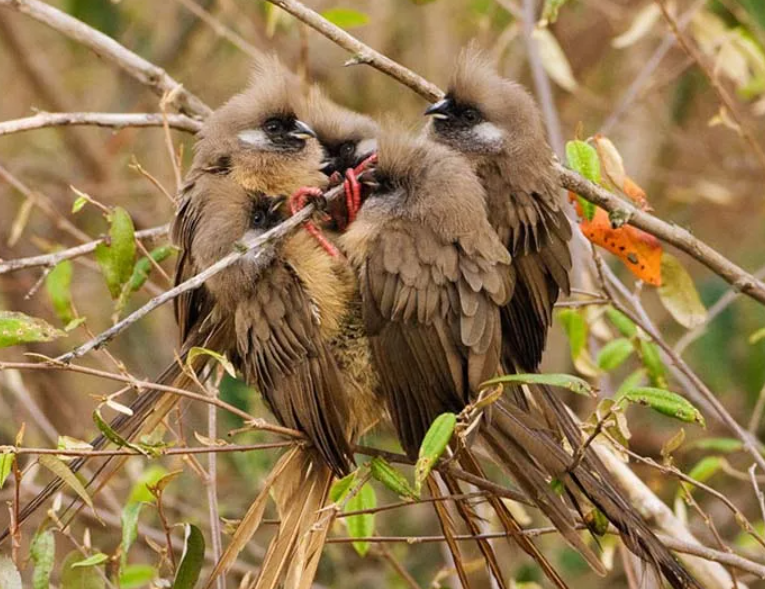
258, 218
347, 149
471, 115
272, 126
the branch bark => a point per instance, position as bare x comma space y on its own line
99, 119
681, 238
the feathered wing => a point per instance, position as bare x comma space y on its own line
432, 308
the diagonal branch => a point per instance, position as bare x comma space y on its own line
99, 119
361, 52
104, 46
672, 234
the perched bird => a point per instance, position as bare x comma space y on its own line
272, 314
434, 278
496, 125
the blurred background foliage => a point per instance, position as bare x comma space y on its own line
676, 142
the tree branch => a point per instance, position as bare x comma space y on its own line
672, 234
104, 46
99, 119
361, 52
50, 260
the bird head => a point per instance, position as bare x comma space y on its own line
484, 113
346, 136
258, 135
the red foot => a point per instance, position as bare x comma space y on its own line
298, 201
353, 188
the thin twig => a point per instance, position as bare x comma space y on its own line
362, 54
220, 29
98, 119
105, 47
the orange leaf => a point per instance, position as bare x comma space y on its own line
640, 251
636, 194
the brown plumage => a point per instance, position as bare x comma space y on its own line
433, 277
496, 124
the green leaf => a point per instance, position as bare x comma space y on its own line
134, 576
58, 283
550, 11
192, 560
362, 525
91, 561
726, 445
678, 294
6, 463
79, 202
433, 445
703, 470
79, 577
113, 436
623, 323
141, 271
346, 18
665, 402
42, 550
9, 576
148, 478
651, 357
341, 487
757, 336
614, 353
564, 381
596, 522
116, 257
576, 329
129, 519
222, 360
391, 477
62, 471
17, 328
633, 380
583, 158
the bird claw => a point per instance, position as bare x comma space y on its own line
312, 195
353, 187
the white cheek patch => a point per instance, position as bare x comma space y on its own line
254, 138
366, 147
488, 134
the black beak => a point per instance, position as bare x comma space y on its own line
441, 109
328, 165
302, 131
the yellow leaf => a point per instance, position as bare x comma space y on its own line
641, 25
554, 60
678, 294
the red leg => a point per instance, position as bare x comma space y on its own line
297, 201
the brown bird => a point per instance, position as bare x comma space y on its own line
274, 316
496, 124
433, 277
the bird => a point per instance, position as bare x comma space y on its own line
434, 277
496, 124
271, 315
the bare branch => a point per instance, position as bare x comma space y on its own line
361, 52
672, 234
98, 119
104, 46
50, 260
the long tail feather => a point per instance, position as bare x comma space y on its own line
447, 527
301, 493
469, 462
532, 452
